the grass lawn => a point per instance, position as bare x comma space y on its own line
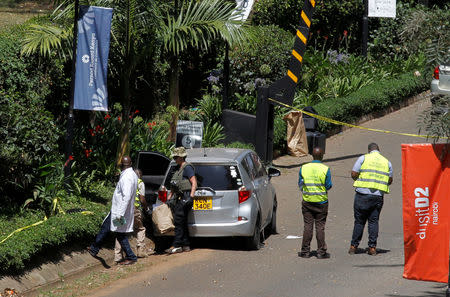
14, 12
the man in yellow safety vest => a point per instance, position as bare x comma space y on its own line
314, 182
372, 174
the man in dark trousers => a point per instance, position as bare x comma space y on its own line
121, 217
372, 174
183, 186
314, 182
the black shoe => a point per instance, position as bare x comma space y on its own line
127, 262
304, 255
91, 252
323, 256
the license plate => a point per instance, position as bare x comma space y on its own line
203, 203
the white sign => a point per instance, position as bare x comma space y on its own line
243, 9
382, 8
189, 134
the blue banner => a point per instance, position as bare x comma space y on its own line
94, 26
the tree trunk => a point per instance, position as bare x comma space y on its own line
174, 84
174, 95
123, 148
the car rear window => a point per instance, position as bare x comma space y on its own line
217, 177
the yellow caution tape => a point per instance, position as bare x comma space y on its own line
23, 228
56, 205
325, 119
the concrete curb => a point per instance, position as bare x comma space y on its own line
51, 272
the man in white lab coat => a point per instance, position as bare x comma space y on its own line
121, 217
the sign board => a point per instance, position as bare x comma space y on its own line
426, 211
243, 9
382, 8
94, 27
189, 134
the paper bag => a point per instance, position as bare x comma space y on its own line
162, 219
296, 134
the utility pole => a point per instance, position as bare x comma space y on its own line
226, 77
70, 118
365, 28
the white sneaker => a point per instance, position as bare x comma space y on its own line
174, 250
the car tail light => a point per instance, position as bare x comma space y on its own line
244, 194
436, 73
162, 194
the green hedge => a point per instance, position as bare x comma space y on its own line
57, 231
372, 98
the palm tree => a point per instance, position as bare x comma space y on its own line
196, 25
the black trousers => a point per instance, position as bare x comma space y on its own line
180, 215
314, 213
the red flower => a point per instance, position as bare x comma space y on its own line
99, 129
151, 125
119, 118
325, 37
136, 111
107, 116
91, 131
345, 32
68, 160
87, 152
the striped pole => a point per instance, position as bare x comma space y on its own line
284, 89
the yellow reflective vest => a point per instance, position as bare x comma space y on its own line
314, 175
374, 173
137, 201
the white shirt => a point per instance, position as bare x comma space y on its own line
123, 201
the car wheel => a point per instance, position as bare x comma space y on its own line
254, 242
273, 222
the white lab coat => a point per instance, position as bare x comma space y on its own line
123, 200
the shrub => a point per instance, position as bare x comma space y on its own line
29, 131
209, 109
371, 98
30, 137
331, 19
261, 61
415, 29
283, 13
63, 229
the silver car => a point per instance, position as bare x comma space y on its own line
234, 196
441, 79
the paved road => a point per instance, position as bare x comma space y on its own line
216, 269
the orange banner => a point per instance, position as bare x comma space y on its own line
426, 211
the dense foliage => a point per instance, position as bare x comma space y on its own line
375, 97
70, 228
260, 62
29, 131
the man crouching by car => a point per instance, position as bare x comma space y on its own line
182, 185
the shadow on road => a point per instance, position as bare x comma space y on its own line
324, 161
342, 158
424, 294
101, 260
